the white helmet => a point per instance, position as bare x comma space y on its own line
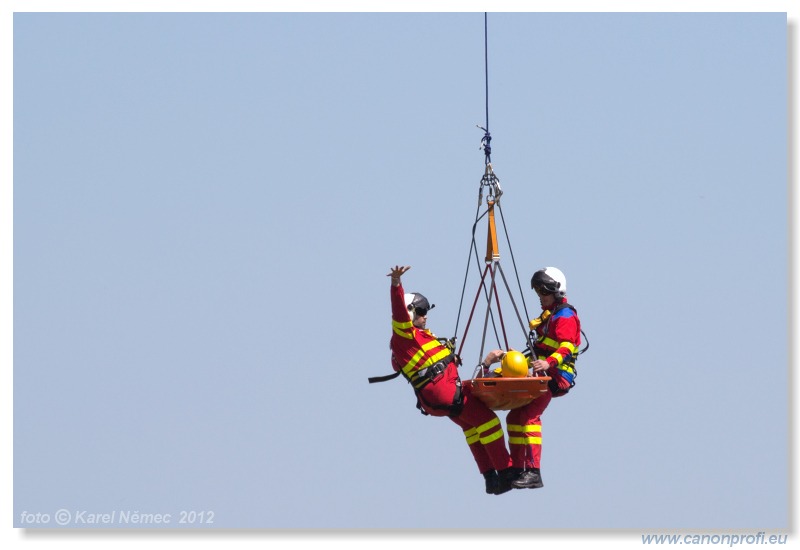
549, 280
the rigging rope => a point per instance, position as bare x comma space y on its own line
474, 248
513, 261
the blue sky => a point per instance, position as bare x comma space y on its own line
206, 206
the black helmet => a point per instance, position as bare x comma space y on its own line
549, 280
415, 301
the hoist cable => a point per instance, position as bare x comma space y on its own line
486, 142
486, 64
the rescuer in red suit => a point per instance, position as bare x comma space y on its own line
430, 367
558, 336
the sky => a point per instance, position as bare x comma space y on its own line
206, 205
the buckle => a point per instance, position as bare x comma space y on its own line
428, 373
422, 377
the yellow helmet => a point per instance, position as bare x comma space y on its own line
514, 365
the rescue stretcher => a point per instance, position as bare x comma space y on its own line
503, 394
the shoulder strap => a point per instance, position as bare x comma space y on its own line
559, 307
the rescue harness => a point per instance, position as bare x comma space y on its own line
570, 362
421, 378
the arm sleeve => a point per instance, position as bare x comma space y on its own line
567, 332
401, 320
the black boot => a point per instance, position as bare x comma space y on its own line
492, 480
529, 479
505, 478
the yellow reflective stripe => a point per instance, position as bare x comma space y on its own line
569, 345
567, 367
485, 426
525, 440
436, 357
474, 435
494, 437
409, 367
412, 364
558, 345
403, 328
549, 342
523, 429
471, 435
417, 383
430, 345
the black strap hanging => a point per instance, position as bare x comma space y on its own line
386, 378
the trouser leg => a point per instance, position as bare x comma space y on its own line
525, 433
484, 434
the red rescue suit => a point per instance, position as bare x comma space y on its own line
416, 354
558, 338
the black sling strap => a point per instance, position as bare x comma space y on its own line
383, 378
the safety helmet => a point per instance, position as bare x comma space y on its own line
414, 301
549, 280
514, 365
